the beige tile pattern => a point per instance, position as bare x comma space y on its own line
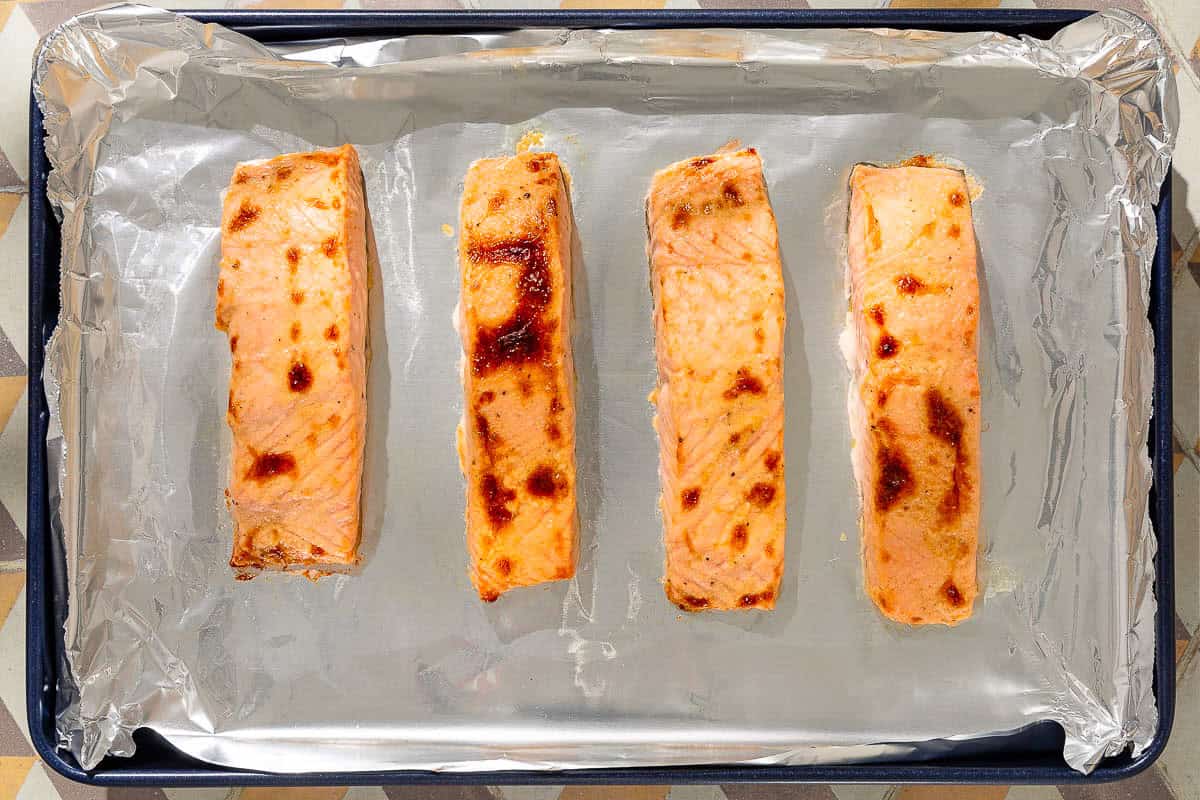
23, 776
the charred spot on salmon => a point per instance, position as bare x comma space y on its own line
744, 383
731, 194
881, 398
483, 430
334, 420
700, 163
761, 494
525, 387
917, 161
329, 247
489, 596
885, 556
741, 532
486, 397
682, 214
909, 284
955, 231
552, 206
544, 482
883, 602
317, 550
555, 405
521, 338
246, 214
504, 566
952, 593
893, 481
233, 340
553, 431
241, 177
269, 465
771, 460
690, 602
283, 172
690, 497
944, 421
297, 297
496, 499
768, 549
235, 264
876, 312
497, 201
299, 377
534, 164
293, 258
295, 332
957, 198
888, 346
748, 600
331, 333
735, 437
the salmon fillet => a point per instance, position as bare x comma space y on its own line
292, 295
719, 321
516, 443
915, 406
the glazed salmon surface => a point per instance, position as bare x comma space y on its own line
292, 295
719, 322
517, 439
915, 408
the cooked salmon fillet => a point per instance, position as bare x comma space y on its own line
719, 320
292, 295
516, 443
915, 405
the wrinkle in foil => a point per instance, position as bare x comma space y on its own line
400, 666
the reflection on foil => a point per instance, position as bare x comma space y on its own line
400, 666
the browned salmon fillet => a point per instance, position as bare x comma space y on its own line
719, 321
915, 407
292, 295
517, 440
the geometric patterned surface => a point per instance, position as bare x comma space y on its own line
22, 776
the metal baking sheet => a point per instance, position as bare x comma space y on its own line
398, 667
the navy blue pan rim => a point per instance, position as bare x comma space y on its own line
158, 764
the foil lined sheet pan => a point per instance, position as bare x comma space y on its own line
400, 666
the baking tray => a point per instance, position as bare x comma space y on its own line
1030, 756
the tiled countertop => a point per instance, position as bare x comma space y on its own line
1177, 775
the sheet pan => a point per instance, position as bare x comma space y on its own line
601, 671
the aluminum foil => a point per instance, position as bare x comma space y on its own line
400, 666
